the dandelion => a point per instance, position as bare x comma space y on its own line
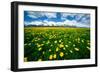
54, 56
39, 49
57, 49
61, 45
39, 59
76, 49
61, 54
50, 57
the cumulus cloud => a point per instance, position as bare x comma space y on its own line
37, 14
65, 19
52, 23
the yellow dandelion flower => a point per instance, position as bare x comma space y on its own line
61, 54
57, 49
50, 57
54, 56
76, 49
39, 49
39, 59
61, 45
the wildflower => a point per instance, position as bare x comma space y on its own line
57, 49
66, 46
54, 56
76, 49
61, 45
50, 57
61, 54
39, 49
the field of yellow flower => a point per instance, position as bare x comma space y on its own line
56, 43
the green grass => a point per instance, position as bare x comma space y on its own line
56, 43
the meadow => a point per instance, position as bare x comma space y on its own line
56, 43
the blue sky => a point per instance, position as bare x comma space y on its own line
56, 19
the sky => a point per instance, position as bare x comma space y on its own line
56, 19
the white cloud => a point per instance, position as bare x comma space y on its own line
50, 23
34, 23
36, 14
50, 14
